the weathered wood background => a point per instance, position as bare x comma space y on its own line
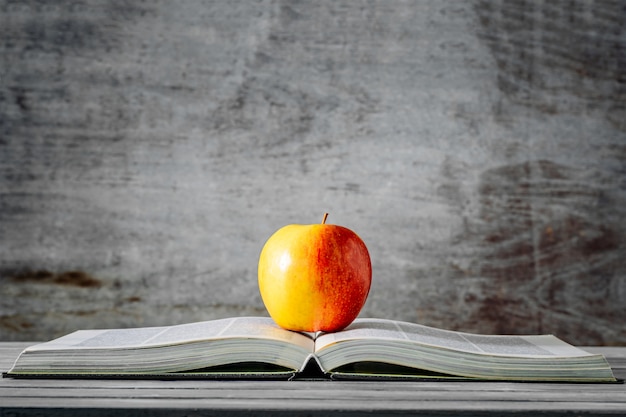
148, 149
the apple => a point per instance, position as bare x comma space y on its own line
314, 277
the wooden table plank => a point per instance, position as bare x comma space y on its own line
21, 397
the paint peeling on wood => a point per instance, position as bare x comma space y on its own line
70, 278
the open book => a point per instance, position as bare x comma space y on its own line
255, 347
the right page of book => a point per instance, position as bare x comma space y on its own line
380, 329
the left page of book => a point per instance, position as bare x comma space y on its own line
179, 348
235, 327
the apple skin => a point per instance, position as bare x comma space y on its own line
314, 277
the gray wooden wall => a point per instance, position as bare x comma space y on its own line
149, 148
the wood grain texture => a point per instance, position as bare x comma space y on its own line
147, 151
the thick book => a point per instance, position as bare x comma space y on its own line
255, 347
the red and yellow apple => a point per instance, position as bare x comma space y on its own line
314, 277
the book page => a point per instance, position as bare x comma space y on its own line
379, 329
239, 327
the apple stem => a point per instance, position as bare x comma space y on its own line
325, 217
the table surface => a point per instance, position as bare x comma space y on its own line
85, 398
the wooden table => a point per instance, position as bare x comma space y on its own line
85, 398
